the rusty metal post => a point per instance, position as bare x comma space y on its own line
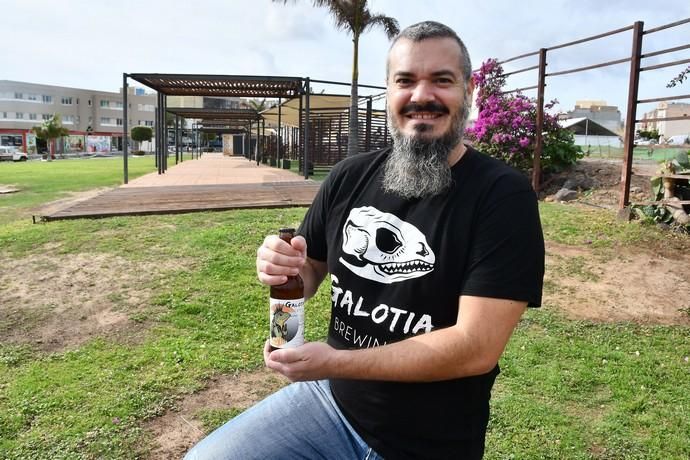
541, 84
629, 136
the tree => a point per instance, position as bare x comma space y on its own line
142, 133
354, 17
257, 105
506, 125
50, 130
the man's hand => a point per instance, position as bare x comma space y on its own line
276, 259
311, 361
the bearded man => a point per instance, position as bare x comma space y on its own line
434, 251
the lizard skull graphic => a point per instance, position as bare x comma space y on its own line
380, 247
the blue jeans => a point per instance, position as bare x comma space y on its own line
301, 421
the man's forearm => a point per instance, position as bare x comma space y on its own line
440, 355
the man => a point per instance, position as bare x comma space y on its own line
434, 251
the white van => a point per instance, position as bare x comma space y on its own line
678, 139
11, 153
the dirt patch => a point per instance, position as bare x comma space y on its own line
175, 432
648, 288
603, 179
56, 302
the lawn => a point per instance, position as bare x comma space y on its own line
192, 309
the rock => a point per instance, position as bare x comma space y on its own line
635, 190
571, 184
565, 195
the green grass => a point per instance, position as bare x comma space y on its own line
657, 154
568, 389
44, 181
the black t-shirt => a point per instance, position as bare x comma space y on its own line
398, 268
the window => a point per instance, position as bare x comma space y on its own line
118, 105
66, 100
105, 121
4, 114
18, 96
118, 121
146, 107
32, 116
19, 116
148, 123
47, 116
31, 97
105, 103
89, 102
47, 99
68, 119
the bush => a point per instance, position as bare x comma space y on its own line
138, 152
506, 126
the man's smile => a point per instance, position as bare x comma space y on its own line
424, 115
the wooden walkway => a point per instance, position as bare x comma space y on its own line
212, 183
139, 201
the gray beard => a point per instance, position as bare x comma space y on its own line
418, 167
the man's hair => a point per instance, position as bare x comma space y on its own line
432, 29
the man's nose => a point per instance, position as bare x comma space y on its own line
423, 92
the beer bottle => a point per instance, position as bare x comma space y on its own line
287, 307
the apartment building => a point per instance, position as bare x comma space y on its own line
94, 118
606, 115
668, 128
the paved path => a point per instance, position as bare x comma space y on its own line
213, 169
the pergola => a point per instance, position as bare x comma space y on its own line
209, 85
296, 104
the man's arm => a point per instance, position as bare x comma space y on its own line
471, 347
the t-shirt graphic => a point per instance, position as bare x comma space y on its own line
381, 247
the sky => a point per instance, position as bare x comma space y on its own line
90, 43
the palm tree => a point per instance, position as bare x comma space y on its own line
354, 17
50, 130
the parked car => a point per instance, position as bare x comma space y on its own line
11, 153
679, 139
646, 142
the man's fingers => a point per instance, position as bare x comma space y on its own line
272, 280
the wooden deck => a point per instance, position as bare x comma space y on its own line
175, 199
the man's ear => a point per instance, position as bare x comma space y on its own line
470, 88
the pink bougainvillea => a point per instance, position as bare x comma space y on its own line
506, 125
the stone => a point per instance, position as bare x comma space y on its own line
565, 195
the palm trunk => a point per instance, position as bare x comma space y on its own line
353, 128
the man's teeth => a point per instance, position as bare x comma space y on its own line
424, 116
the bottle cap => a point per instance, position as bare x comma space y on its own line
287, 230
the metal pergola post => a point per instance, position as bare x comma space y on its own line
280, 137
157, 143
165, 139
258, 140
306, 130
367, 135
177, 143
125, 126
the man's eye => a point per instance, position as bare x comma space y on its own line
403, 81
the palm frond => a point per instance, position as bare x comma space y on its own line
389, 25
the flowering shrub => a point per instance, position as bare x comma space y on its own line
506, 125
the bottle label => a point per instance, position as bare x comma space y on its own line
287, 322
